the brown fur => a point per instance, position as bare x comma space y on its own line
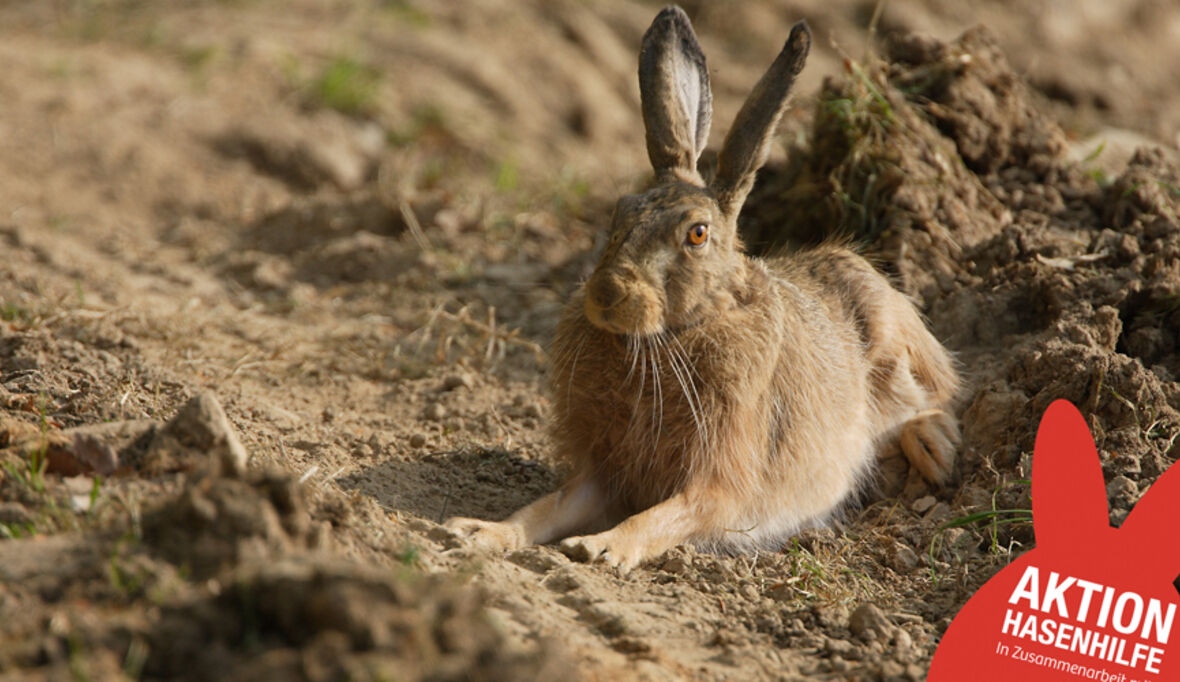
704, 396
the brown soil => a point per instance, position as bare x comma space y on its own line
276, 281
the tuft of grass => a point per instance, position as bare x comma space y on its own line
410, 556
31, 473
857, 122
11, 312
346, 85
405, 11
425, 120
507, 176
16, 531
990, 519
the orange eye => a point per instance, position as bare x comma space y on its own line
698, 234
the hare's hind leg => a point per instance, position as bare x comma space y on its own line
929, 441
575, 505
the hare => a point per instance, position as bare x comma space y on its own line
704, 396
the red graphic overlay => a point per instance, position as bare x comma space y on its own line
1089, 602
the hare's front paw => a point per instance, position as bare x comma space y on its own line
929, 442
487, 535
612, 547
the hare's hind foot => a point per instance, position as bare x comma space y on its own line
929, 441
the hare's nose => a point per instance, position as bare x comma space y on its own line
605, 291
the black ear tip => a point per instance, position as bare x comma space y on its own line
671, 21
800, 38
673, 14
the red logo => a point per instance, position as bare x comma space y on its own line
1089, 602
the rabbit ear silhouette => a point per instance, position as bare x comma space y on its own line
1150, 528
1069, 495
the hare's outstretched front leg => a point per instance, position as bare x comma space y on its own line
556, 515
677, 520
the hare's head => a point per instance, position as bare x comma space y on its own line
673, 249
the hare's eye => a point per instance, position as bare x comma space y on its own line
698, 234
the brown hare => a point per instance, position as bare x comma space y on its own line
704, 396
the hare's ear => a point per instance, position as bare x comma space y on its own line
674, 92
1151, 525
1069, 495
748, 142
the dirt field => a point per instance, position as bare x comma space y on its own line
277, 279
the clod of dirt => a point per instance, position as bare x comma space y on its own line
85, 453
200, 432
326, 621
453, 381
435, 412
899, 155
216, 522
305, 159
866, 618
977, 100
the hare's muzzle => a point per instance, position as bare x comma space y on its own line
622, 304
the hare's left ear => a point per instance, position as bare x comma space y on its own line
748, 142
674, 92
1068, 492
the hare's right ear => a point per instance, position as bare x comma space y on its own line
674, 92
1069, 494
1151, 526
748, 141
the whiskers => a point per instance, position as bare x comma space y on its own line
662, 355
685, 373
640, 405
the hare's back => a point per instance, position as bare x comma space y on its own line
891, 329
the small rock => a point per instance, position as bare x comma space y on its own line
85, 453
453, 381
922, 504
868, 617
435, 412
903, 644
328, 415
79, 489
974, 497
956, 539
676, 565
417, 440
201, 425
839, 647
1121, 491
938, 513
831, 616
903, 559
336, 160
